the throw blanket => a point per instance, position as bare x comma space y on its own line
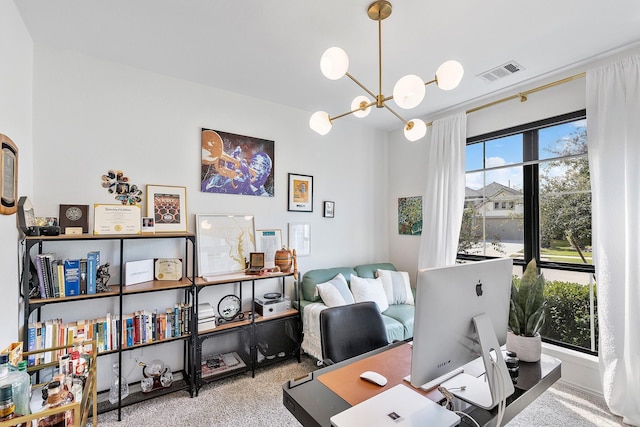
312, 343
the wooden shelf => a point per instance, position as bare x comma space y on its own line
89, 236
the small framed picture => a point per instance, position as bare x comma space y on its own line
329, 208
300, 238
300, 193
148, 224
167, 205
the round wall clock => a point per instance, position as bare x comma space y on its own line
229, 307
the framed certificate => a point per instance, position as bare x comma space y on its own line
8, 176
116, 219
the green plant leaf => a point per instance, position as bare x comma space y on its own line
516, 319
535, 322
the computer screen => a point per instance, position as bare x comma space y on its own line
447, 299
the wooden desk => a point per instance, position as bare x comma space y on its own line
316, 397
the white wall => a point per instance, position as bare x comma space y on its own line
16, 51
91, 116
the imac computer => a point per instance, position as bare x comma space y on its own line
461, 315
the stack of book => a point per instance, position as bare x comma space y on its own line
57, 278
206, 317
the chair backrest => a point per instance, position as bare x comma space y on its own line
350, 330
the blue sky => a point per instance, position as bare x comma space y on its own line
508, 150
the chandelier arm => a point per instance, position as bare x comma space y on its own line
396, 114
361, 85
339, 116
431, 81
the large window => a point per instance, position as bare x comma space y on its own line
528, 196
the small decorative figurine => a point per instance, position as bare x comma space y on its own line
102, 277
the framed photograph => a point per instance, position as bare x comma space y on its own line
224, 243
236, 164
269, 241
300, 193
300, 238
167, 205
8, 176
329, 208
148, 224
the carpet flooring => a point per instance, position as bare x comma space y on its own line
248, 402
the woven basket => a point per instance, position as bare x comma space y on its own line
529, 349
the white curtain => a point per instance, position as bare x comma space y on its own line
613, 129
443, 201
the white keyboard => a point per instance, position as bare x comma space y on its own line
439, 380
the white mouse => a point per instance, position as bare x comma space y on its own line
374, 377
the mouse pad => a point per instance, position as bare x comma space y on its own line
394, 364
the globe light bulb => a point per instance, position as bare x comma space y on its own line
409, 91
320, 122
415, 129
356, 104
449, 75
334, 63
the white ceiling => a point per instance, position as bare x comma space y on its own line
271, 49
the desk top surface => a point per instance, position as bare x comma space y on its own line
323, 393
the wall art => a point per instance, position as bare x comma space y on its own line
300, 193
8, 176
236, 164
410, 215
168, 207
225, 243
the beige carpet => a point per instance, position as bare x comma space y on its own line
247, 402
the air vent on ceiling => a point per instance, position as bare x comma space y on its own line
504, 70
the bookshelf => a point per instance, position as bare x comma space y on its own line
253, 341
118, 339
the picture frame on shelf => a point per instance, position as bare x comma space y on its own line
8, 176
148, 224
72, 217
167, 205
300, 238
269, 241
329, 209
300, 193
116, 219
224, 243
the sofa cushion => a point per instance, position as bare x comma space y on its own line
403, 314
395, 329
313, 277
369, 270
369, 290
397, 286
335, 292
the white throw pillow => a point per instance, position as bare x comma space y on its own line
369, 290
396, 286
335, 292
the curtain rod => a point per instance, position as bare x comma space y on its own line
523, 95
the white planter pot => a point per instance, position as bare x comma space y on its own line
528, 349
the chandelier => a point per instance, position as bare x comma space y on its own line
408, 92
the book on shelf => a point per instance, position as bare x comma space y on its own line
93, 262
220, 363
83, 276
72, 277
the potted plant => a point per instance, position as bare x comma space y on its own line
526, 315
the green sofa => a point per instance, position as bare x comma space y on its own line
398, 318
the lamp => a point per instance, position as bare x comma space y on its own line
408, 92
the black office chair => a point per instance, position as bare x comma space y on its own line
349, 330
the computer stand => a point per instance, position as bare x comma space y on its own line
483, 391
